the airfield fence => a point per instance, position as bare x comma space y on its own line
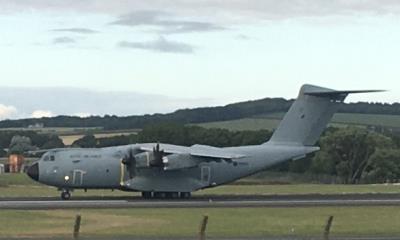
202, 228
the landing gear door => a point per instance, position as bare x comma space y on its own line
205, 175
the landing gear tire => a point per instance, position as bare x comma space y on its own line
65, 195
147, 195
185, 194
173, 195
160, 195
165, 195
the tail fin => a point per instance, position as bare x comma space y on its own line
309, 115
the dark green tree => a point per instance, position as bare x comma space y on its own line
87, 141
383, 166
20, 145
3, 153
347, 151
53, 142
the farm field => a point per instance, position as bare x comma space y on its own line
57, 130
252, 124
69, 135
271, 121
69, 139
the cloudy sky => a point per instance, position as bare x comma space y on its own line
92, 57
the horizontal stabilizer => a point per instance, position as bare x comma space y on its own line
335, 94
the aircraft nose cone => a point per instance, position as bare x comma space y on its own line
33, 171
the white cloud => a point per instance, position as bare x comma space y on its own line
270, 9
63, 40
166, 22
7, 111
159, 45
41, 113
83, 103
82, 114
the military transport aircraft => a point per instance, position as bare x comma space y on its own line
171, 171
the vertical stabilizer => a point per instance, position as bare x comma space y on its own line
309, 115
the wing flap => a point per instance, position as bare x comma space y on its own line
195, 150
213, 152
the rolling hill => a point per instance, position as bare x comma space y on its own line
263, 113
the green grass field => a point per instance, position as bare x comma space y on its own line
223, 222
20, 185
253, 124
271, 121
69, 139
367, 119
231, 222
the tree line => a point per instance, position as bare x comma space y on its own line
22, 141
353, 155
178, 134
197, 115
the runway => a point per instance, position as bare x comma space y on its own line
205, 202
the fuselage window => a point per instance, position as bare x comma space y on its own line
52, 158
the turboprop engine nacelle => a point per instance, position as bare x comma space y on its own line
179, 161
145, 159
169, 162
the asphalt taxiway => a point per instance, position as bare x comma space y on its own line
205, 202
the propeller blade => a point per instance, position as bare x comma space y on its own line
158, 155
130, 162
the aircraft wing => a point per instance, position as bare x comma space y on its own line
195, 150
40, 151
167, 148
213, 152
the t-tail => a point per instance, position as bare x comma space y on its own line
309, 115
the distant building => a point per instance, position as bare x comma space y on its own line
16, 162
36, 125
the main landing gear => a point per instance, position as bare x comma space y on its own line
65, 194
165, 195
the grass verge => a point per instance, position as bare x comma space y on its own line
226, 222
20, 185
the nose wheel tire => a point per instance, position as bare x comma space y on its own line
65, 195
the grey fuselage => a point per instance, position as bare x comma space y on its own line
102, 168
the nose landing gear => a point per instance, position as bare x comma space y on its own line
65, 194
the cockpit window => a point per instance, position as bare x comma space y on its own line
52, 158
46, 158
